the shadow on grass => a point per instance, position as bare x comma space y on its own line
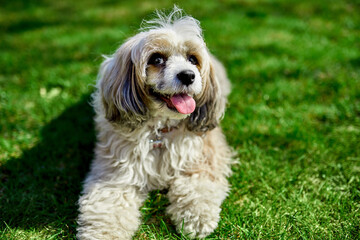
40, 189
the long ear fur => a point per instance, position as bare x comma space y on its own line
211, 105
121, 88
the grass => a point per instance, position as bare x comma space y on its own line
294, 114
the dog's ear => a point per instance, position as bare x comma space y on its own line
210, 105
122, 88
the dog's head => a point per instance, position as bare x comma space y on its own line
164, 71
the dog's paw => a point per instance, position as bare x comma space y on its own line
195, 221
198, 229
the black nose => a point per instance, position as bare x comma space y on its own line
187, 77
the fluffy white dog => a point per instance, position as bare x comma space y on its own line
158, 103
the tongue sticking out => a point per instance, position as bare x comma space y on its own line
183, 103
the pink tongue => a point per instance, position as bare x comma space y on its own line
183, 103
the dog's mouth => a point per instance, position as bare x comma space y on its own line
181, 102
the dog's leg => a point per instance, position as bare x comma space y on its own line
108, 211
195, 204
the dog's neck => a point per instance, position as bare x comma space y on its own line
161, 127
158, 141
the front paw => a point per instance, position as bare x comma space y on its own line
196, 220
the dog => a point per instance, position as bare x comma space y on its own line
158, 102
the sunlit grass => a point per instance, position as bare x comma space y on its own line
293, 116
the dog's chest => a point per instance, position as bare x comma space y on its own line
168, 155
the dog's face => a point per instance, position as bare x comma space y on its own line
175, 72
163, 72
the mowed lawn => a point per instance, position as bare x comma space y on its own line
293, 116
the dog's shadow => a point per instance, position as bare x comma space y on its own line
40, 188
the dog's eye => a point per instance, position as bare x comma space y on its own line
157, 59
193, 60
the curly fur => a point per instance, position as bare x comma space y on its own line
193, 161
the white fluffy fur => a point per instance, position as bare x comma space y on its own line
194, 160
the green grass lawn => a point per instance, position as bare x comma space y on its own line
293, 117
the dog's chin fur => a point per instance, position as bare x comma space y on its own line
134, 114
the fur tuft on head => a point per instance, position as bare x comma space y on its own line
175, 20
